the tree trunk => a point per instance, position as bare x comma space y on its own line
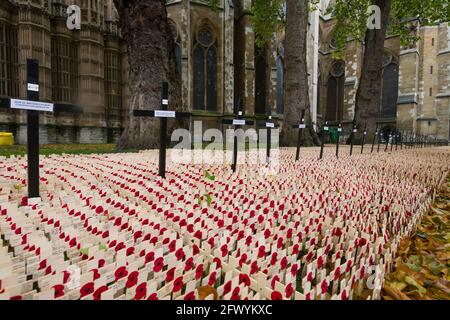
296, 94
151, 57
368, 95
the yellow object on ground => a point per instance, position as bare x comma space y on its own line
6, 139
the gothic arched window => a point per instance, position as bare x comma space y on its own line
9, 84
205, 70
335, 92
177, 43
280, 85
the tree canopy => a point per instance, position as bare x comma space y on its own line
352, 16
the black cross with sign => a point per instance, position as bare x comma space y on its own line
375, 136
324, 130
269, 125
387, 141
364, 137
300, 127
163, 114
339, 130
352, 134
237, 122
33, 107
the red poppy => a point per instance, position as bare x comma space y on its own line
101, 263
254, 267
224, 250
337, 273
289, 234
59, 290
243, 259
96, 274
324, 286
227, 287
212, 279
283, 263
132, 279
235, 294
267, 233
170, 274
179, 254
289, 290
130, 251
153, 296
320, 262
245, 279
362, 242
98, 293
121, 273
172, 246
141, 291
261, 251
87, 289
189, 264
190, 296
274, 279
276, 296
211, 242
199, 271
149, 257
218, 262
178, 284
280, 243
16, 298
158, 265
195, 250
294, 269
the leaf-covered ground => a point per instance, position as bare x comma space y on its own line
421, 268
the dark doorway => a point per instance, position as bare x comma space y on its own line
335, 92
390, 91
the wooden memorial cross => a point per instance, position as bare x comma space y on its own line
33, 107
239, 121
324, 131
162, 114
339, 130
364, 138
300, 127
352, 134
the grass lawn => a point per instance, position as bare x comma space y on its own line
47, 149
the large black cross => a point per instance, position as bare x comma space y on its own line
33, 107
364, 137
339, 130
269, 125
300, 127
352, 135
237, 122
162, 114
324, 129
375, 136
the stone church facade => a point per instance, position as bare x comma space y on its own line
219, 64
